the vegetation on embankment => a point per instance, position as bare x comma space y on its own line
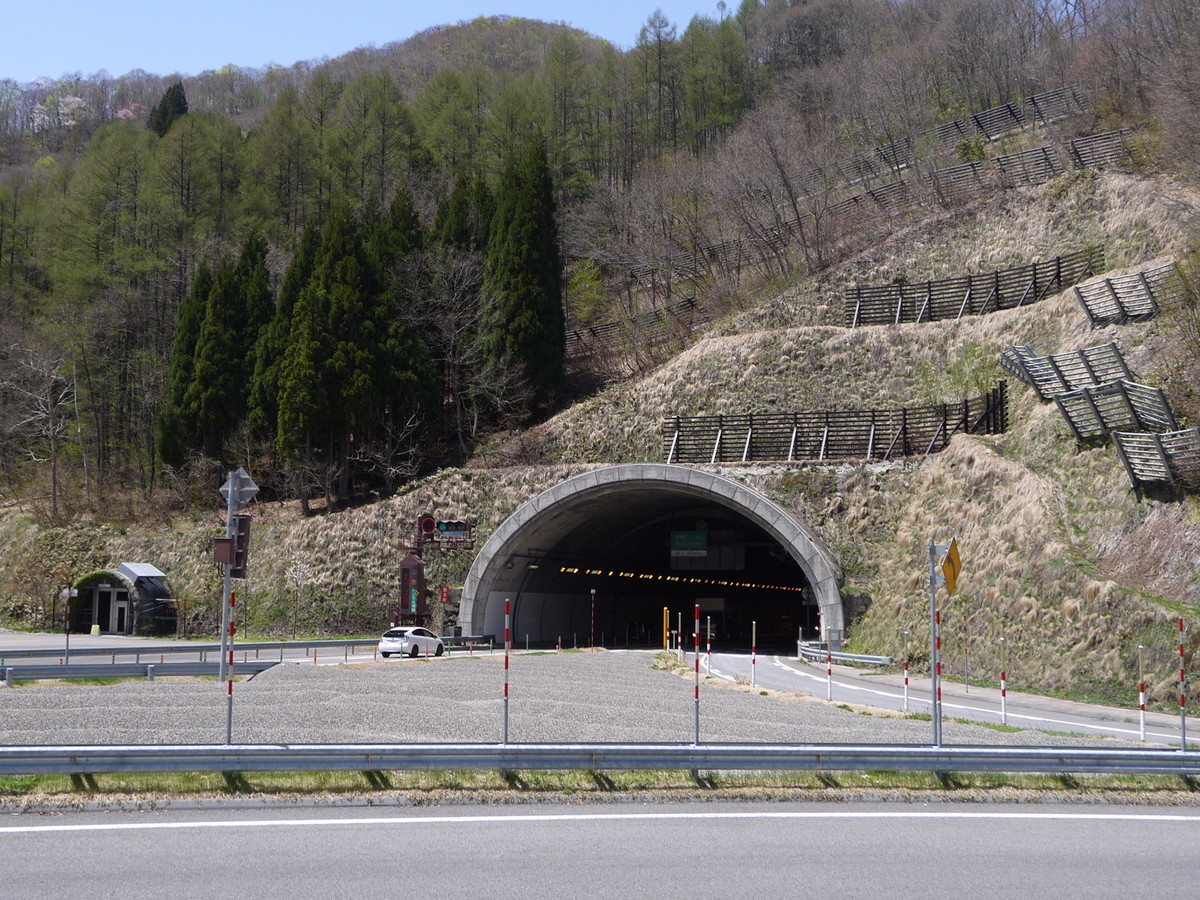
1061, 559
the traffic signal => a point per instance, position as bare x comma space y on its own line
241, 546
453, 529
426, 528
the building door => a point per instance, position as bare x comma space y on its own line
120, 612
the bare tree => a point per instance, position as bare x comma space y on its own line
40, 405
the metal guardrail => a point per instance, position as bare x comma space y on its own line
149, 671
176, 649
85, 759
819, 653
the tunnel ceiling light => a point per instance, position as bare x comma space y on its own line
683, 579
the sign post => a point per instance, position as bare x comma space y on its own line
238, 490
951, 565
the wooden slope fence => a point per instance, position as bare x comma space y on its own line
953, 298
833, 434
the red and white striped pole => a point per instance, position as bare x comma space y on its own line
708, 646
229, 706
937, 642
753, 652
1003, 698
507, 649
1142, 690
696, 639
1182, 693
1142, 707
829, 671
906, 685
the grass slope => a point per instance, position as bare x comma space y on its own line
1060, 559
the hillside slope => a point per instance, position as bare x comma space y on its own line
1061, 560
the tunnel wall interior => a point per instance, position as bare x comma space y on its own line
647, 538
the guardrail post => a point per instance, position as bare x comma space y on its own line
149, 671
8, 677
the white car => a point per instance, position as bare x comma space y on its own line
410, 641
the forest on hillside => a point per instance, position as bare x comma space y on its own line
346, 273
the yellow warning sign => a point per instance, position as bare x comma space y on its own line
951, 566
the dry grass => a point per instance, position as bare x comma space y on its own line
1060, 558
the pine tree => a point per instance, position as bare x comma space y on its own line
524, 322
352, 375
172, 106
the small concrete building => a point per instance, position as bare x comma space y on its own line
132, 599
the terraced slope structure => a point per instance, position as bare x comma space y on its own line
1061, 558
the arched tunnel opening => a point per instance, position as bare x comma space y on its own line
652, 541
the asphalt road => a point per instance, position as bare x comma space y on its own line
974, 703
667, 850
848, 685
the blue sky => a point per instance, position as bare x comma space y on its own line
56, 37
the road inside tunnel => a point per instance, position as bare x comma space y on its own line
647, 538
641, 563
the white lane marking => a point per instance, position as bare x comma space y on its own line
1193, 818
1070, 723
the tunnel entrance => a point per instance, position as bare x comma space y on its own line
607, 556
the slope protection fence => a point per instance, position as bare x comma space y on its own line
953, 298
886, 165
991, 124
655, 324
1100, 399
1172, 458
1052, 375
891, 200
1130, 298
832, 434
1096, 412
888, 161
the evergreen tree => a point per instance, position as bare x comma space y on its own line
327, 370
351, 371
523, 323
239, 307
398, 233
172, 106
464, 218
274, 339
175, 432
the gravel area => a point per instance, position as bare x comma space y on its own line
566, 697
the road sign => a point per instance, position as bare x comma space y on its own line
242, 488
951, 566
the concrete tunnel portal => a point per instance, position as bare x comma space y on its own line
644, 536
